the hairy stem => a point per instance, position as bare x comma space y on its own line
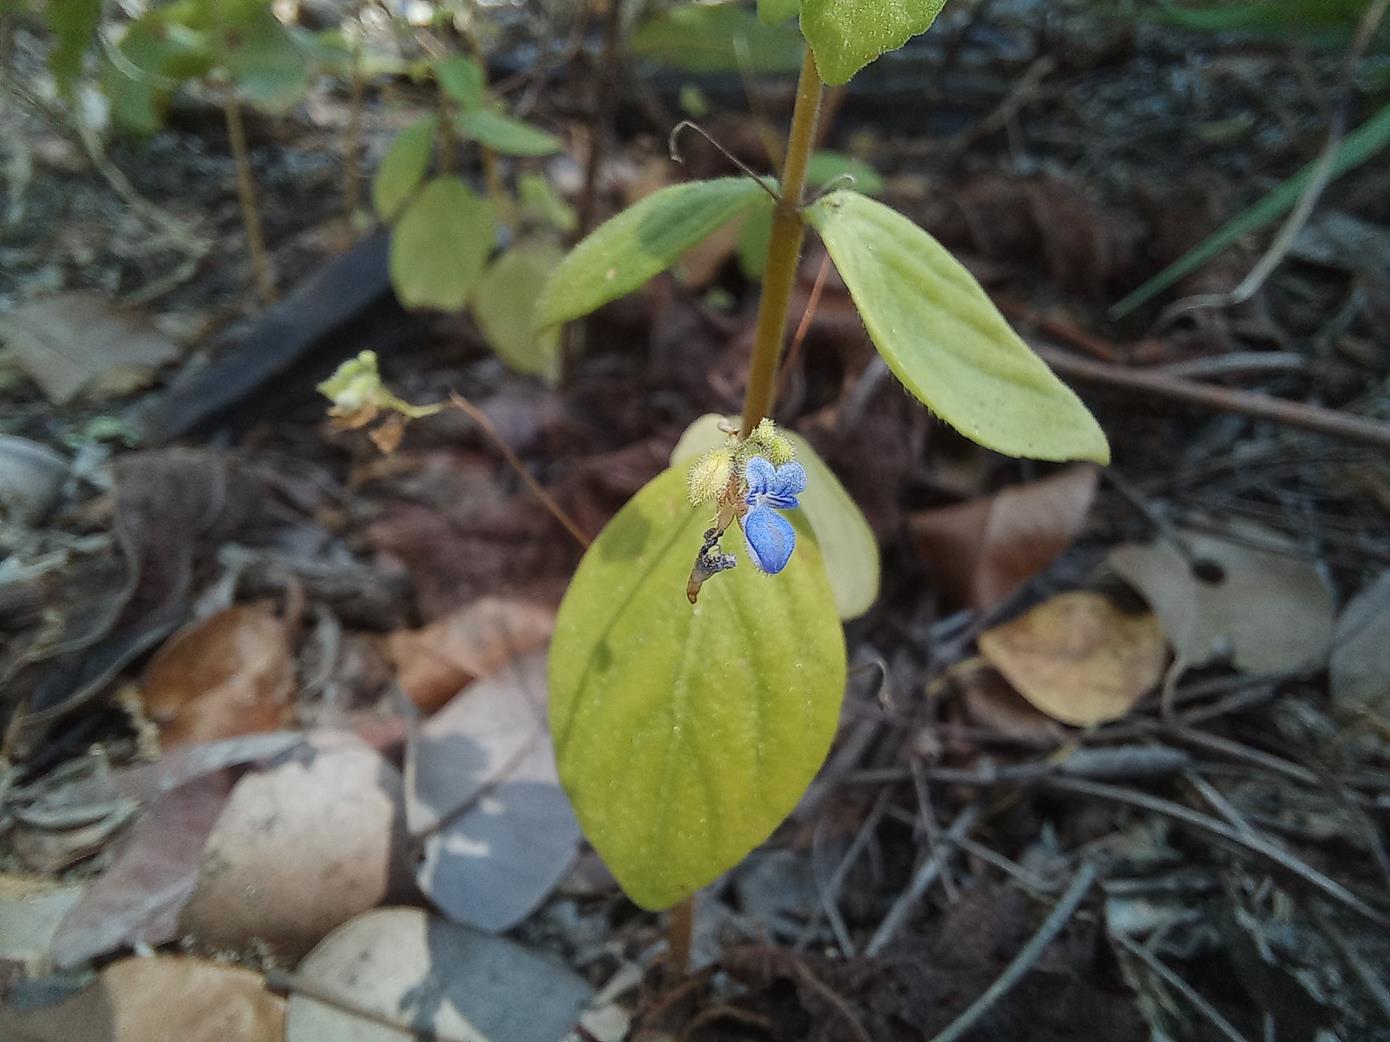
784, 250
246, 194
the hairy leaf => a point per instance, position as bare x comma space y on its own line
440, 245
846, 541
642, 241
685, 734
848, 34
945, 340
511, 137
504, 304
403, 167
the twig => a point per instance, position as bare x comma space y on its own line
1201, 1005
1246, 403
1369, 977
807, 317
922, 880
836, 1001
246, 195
547, 500
1269, 852
830, 890
1027, 957
284, 983
598, 126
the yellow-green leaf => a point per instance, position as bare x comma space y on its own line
642, 241
440, 245
775, 12
846, 541
511, 137
685, 734
403, 167
542, 204
946, 341
848, 34
504, 303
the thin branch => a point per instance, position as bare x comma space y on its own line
547, 500
1201, 1005
807, 317
1027, 957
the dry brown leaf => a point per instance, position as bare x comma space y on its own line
80, 342
433, 663
984, 549
227, 675
1078, 657
988, 700
301, 848
161, 999
1265, 611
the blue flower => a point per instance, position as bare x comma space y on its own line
771, 538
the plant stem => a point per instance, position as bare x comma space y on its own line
783, 251
680, 926
246, 194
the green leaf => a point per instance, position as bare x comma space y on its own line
775, 12
753, 241
848, 34
541, 204
944, 338
846, 541
511, 137
440, 245
462, 79
718, 38
504, 305
824, 167
73, 24
1355, 149
266, 64
403, 167
642, 241
685, 734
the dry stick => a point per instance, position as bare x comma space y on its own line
1274, 855
1369, 977
807, 317
926, 875
1161, 970
1029, 955
598, 129
284, 983
547, 500
1246, 403
246, 194
837, 1002
1318, 181
783, 251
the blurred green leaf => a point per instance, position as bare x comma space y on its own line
847, 35
541, 204
1311, 21
267, 65
642, 241
462, 79
753, 240
846, 541
775, 12
945, 340
510, 137
1357, 147
73, 24
440, 245
825, 167
403, 167
684, 735
505, 305
709, 37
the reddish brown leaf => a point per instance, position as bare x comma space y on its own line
230, 674
984, 549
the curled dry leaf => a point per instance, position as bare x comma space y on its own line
987, 700
227, 675
301, 848
161, 999
1360, 668
1078, 657
436, 979
482, 789
1229, 598
433, 663
984, 549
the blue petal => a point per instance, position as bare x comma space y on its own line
760, 475
771, 539
788, 483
